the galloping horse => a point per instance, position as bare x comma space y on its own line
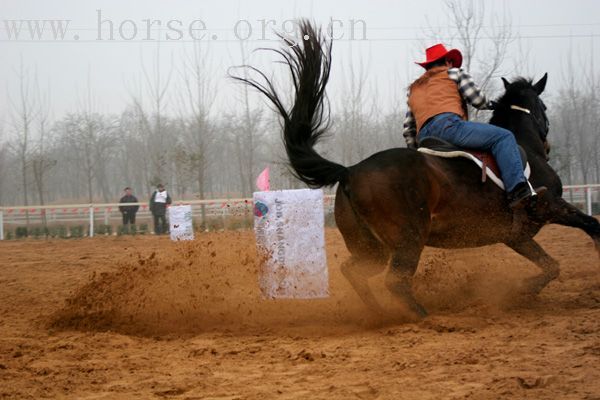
392, 204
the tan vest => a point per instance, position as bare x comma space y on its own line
435, 93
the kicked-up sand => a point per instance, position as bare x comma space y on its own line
145, 318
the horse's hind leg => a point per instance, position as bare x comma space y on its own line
403, 228
562, 213
403, 265
405, 235
393, 207
399, 278
531, 250
357, 270
368, 255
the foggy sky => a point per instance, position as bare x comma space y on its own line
552, 32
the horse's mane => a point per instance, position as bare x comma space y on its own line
514, 88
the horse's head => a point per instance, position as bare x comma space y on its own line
522, 110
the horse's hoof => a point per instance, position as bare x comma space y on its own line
380, 313
419, 310
533, 286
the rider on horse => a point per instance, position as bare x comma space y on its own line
437, 108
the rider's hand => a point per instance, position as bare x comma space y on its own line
492, 105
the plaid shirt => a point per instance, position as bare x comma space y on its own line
467, 89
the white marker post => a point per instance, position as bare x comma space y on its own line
91, 209
290, 239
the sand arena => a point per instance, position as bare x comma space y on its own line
142, 317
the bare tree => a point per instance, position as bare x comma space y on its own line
25, 111
245, 135
4, 170
131, 166
197, 99
483, 39
41, 162
91, 140
592, 85
152, 124
352, 137
571, 120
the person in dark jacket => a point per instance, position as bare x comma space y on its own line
159, 201
128, 212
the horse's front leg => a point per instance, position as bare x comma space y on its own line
531, 250
562, 213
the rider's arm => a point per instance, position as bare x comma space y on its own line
410, 129
469, 91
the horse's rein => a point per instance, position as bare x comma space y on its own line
537, 122
525, 110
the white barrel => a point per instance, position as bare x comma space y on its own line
290, 239
180, 223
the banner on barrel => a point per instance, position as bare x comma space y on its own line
180, 223
290, 239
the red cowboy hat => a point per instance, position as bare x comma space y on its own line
438, 51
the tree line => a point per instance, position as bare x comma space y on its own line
199, 152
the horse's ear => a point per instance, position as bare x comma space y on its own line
541, 84
506, 83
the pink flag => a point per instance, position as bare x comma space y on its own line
262, 182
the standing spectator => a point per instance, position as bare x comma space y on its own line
128, 212
158, 206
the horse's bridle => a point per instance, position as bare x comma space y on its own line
542, 125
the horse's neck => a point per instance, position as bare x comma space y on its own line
529, 140
525, 133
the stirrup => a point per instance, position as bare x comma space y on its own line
523, 199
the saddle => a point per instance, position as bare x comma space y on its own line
484, 160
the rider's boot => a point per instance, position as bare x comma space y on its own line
521, 195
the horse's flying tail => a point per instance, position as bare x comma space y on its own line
309, 62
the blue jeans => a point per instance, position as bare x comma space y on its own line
477, 136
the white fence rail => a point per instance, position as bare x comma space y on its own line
211, 213
585, 197
206, 212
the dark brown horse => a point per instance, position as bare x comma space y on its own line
391, 205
